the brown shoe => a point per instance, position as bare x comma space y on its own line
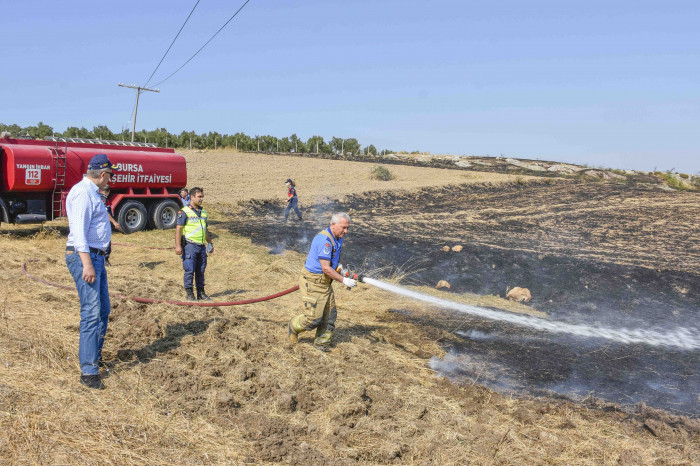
293, 336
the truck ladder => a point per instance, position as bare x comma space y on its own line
59, 181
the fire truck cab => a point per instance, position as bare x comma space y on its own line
36, 176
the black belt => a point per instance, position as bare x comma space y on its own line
99, 252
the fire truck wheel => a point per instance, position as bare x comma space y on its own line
132, 217
163, 214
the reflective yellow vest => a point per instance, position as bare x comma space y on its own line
195, 230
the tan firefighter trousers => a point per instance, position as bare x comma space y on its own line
319, 307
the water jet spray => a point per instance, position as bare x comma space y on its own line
681, 338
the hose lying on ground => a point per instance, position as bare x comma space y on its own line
154, 301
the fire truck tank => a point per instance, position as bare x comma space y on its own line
36, 176
27, 165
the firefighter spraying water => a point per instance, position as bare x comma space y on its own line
319, 302
315, 284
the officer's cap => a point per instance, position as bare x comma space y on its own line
100, 162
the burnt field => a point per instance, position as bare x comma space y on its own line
600, 254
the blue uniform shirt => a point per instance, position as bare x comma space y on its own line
322, 248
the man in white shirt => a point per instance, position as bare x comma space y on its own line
89, 237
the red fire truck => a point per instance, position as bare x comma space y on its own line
36, 175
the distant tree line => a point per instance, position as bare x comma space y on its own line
211, 140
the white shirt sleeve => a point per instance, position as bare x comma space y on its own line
79, 220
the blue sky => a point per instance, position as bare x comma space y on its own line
613, 84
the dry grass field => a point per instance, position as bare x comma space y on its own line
220, 385
235, 176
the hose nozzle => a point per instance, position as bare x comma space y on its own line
349, 273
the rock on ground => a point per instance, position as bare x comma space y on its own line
521, 295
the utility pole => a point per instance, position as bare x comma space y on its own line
342, 146
139, 89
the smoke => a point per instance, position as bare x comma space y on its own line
682, 338
477, 335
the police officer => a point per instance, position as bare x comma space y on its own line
191, 239
184, 196
315, 284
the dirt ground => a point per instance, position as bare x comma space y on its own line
235, 176
221, 385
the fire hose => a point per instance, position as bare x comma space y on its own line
345, 272
155, 301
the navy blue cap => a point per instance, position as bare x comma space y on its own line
100, 162
289, 180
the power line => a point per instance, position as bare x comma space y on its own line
207, 43
171, 44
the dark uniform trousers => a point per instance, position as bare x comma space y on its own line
194, 261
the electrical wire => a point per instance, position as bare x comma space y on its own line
171, 44
206, 43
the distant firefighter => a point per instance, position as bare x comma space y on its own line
292, 201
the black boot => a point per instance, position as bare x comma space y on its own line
92, 381
190, 295
202, 296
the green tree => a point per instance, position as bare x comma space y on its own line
337, 145
14, 130
286, 145
75, 132
102, 132
297, 145
316, 144
352, 146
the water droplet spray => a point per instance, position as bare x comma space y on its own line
682, 338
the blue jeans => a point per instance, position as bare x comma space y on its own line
94, 310
194, 262
292, 205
